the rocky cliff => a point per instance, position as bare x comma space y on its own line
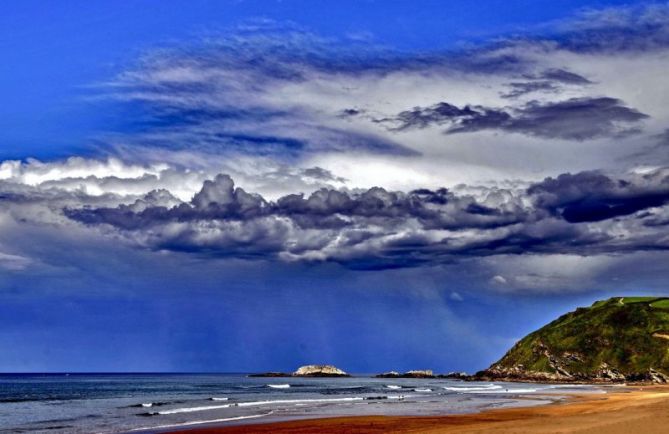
622, 339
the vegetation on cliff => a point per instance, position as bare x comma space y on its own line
619, 339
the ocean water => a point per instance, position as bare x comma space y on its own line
122, 403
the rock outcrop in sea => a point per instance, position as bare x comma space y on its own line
307, 371
455, 375
319, 371
389, 374
622, 339
425, 373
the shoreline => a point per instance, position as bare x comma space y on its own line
639, 409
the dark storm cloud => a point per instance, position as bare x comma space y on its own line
350, 112
523, 88
547, 236
321, 174
572, 119
592, 196
219, 199
548, 81
445, 113
563, 76
377, 228
431, 209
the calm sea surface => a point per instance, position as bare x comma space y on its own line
120, 403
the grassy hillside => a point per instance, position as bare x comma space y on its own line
619, 339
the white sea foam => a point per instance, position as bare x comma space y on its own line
257, 404
492, 389
473, 389
147, 404
194, 409
423, 390
298, 401
200, 422
279, 386
392, 386
218, 399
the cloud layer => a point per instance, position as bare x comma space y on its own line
586, 213
572, 119
273, 143
516, 108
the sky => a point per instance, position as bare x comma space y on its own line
241, 186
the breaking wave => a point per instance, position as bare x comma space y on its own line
200, 422
464, 389
253, 404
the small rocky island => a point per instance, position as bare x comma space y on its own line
319, 371
308, 371
622, 339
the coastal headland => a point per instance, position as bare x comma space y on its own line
622, 340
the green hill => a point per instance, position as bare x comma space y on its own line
619, 339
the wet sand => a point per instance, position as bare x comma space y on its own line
639, 410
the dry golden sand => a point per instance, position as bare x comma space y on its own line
637, 411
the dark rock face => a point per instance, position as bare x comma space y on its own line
455, 375
623, 339
391, 374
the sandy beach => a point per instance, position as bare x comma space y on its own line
639, 410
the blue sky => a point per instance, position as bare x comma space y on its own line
256, 185
54, 52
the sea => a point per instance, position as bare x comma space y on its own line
137, 403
